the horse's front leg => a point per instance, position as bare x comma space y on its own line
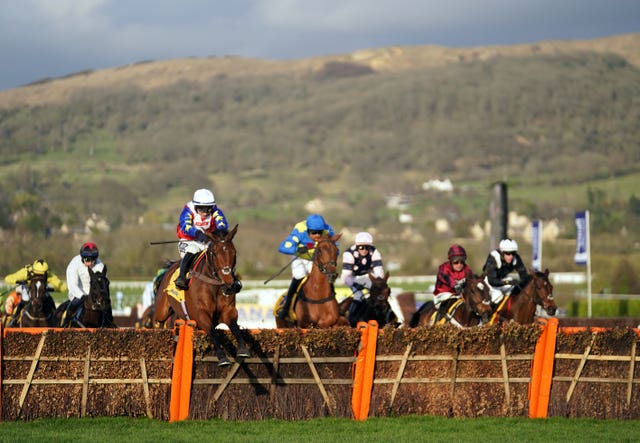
230, 318
215, 335
243, 350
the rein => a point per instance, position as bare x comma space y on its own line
209, 258
330, 275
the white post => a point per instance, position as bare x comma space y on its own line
588, 238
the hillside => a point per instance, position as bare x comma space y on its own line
558, 121
149, 75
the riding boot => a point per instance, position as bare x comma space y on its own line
355, 309
181, 282
286, 303
67, 315
15, 318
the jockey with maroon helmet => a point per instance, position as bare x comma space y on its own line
452, 275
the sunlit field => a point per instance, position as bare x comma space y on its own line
399, 429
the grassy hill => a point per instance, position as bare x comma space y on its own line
557, 121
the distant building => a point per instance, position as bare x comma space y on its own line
438, 185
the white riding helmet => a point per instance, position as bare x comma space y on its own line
203, 197
364, 238
508, 245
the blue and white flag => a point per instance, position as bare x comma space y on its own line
582, 235
536, 242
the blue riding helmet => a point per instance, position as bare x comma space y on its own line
315, 222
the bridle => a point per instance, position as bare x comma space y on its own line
217, 273
329, 268
98, 292
542, 285
37, 291
473, 287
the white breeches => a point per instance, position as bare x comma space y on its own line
191, 246
300, 268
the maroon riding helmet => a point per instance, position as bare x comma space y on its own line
457, 251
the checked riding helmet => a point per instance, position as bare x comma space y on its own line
457, 251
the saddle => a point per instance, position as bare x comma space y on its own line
291, 315
440, 318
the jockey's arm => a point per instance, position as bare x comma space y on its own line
57, 284
20, 275
492, 273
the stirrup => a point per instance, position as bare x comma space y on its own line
181, 283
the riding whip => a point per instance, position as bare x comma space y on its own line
163, 242
280, 271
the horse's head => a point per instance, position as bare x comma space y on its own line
476, 294
543, 294
380, 290
99, 296
325, 256
37, 290
221, 254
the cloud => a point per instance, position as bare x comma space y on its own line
45, 38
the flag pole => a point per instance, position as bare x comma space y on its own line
588, 239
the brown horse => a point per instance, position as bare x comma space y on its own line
208, 300
376, 306
472, 308
520, 307
38, 311
316, 304
95, 311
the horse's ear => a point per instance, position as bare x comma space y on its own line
386, 275
546, 272
104, 270
336, 237
232, 233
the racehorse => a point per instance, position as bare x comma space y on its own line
316, 303
520, 307
96, 306
39, 310
471, 308
376, 306
208, 300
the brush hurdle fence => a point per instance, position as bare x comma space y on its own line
536, 371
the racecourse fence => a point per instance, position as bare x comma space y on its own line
510, 370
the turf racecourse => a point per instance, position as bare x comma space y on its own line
399, 429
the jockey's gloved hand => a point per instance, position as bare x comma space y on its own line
459, 285
507, 281
302, 249
202, 237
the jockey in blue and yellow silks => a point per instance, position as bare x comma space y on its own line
198, 216
301, 243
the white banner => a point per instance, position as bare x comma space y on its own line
582, 236
536, 243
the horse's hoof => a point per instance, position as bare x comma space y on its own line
243, 353
224, 362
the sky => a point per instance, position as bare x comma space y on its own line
53, 38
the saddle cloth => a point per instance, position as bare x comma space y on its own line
172, 290
291, 315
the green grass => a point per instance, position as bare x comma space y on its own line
400, 429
